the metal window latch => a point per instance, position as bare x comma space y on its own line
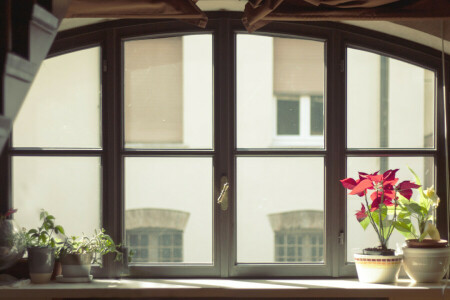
341, 238
223, 196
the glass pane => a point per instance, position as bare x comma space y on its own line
170, 200
388, 98
73, 197
63, 106
359, 239
168, 98
274, 222
271, 72
288, 118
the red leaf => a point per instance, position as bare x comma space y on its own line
361, 187
362, 214
349, 183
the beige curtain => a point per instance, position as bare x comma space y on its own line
185, 10
261, 12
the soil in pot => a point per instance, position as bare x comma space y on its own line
426, 243
379, 251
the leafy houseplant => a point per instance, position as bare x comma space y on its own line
422, 212
12, 240
425, 260
41, 246
382, 214
78, 253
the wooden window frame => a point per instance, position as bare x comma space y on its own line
224, 27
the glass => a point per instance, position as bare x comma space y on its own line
168, 93
63, 106
278, 199
69, 188
270, 72
170, 198
288, 117
357, 238
387, 98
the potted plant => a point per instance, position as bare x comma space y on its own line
379, 264
78, 253
12, 240
425, 259
41, 245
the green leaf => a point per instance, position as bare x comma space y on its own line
59, 229
42, 215
405, 229
413, 207
32, 231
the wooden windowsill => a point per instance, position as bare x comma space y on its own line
226, 288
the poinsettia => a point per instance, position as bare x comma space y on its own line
383, 189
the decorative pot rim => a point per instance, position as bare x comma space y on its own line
378, 257
428, 251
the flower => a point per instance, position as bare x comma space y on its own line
385, 193
431, 194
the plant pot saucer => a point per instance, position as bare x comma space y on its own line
426, 243
62, 279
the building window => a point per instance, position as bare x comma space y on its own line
297, 241
299, 120
156, 235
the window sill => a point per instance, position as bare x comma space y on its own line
226, 288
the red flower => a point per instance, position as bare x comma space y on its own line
362, 214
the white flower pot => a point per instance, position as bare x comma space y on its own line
426, 264
378, 268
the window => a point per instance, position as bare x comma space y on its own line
139, 133
298, 241
156, 235
299, 120
57, 144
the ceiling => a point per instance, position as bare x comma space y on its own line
404, 30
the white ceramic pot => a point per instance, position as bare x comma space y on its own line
378, 268
426, 264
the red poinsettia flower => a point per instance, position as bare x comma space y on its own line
362, 214
404, 188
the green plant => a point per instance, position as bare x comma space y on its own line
99, 244
43, 235
421, 212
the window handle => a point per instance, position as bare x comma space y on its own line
223, 196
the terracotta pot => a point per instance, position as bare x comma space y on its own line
378, 268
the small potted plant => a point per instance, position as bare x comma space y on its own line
12, 240
425, 259
41, 245
78, 253
379, 264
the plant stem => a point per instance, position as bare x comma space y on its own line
370, 217
391, 228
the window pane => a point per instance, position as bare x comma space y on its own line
170, 200
388, 98
357, 238
316, 115
288, 118
168, 98
270, 71
274, 222
63, 106
67, 187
